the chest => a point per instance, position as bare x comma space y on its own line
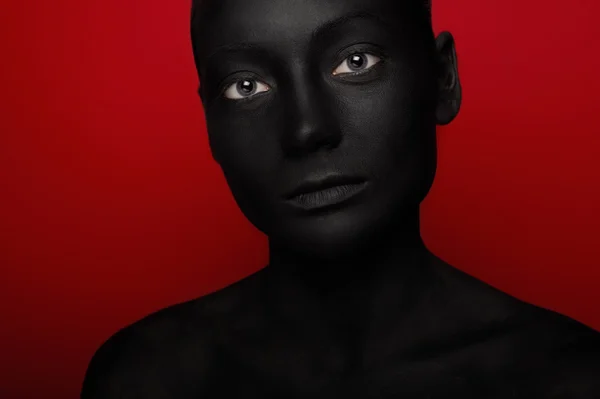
294, 370
279, 357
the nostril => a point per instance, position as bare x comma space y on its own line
310, 139
310, 127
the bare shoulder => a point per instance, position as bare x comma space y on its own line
555, 355
544, 354
571, 365
129, 362
169, 353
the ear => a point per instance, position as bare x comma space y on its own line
449, 92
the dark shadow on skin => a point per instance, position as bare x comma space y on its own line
352, 303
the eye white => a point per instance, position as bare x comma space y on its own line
345, 67
235, 92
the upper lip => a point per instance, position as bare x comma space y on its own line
322, 182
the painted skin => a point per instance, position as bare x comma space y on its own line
352, 304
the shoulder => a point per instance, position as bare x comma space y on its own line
173, 349
570, 365
544, 354
550, 356
136, 356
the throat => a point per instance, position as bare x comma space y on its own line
349, 293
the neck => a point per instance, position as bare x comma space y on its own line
393, 259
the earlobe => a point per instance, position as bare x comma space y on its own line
449, 88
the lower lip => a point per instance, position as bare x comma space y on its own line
328, 197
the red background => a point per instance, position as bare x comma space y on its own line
111, 206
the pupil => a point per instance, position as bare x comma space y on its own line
356, 61
246, 87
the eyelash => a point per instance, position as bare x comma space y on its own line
342, 56
359, 49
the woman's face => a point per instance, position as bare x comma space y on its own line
298, 90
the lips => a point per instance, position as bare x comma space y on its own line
313, 185
325, 192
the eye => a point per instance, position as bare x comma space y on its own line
245, 88
357, 62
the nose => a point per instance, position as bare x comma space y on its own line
310, 123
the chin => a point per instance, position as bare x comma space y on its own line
336, 236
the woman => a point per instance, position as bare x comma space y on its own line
322, 116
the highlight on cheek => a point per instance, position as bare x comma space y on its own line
245, 88
356, 63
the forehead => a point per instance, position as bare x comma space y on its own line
220, 23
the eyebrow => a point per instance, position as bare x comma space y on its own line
318, 32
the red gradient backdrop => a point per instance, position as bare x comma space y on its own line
112, 208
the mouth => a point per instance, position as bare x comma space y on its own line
325, 192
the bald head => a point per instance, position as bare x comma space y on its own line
411, 18
425, 5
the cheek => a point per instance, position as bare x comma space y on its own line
393, 128
384, 124
246, 148
241, 142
